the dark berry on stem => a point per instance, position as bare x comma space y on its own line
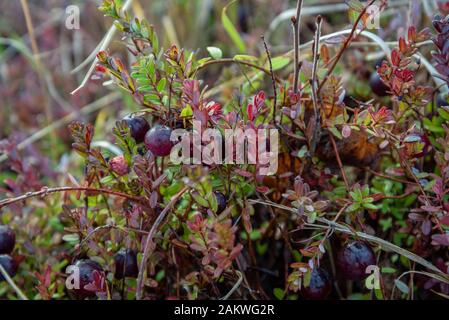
126, 264
157, 140
9, 265
320, 285
7, 240
353, 260
221, 201
377, 85
86, 269
442, 100
138, 127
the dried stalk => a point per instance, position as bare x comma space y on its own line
296, 21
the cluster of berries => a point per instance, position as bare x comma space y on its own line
352, 261
7, 244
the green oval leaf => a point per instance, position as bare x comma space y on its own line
215, 52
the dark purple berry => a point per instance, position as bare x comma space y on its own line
221, 201
9, 265
353, 260
377, 85
86, 268
126, 264
442, 101
138, 126
7, 240
320, 285
158, 141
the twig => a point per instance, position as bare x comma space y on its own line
231, 60
296, 21
12, 284
235, 287
340, 164
314, 83
345, 45
273, 79
149, 242
389, 177
46, 191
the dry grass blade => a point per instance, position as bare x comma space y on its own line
381, 242
12, 284
103, 46
92, 107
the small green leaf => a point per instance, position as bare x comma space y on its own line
429, 125
353, 207
73, 237
401, 286
199, 199
370, 206
279, 293
161, 84
215, 52
203, 61
245, 57
444, 113
187, 111
279, 62
231, 30
336, 132
388, 270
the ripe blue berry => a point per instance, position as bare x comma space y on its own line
377, 86
442, 100
353, 260
221, 201
157, 140
7, 240
126, 264
138, 127
320, 285
86, 268
9, 265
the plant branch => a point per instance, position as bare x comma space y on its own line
46, 191
100, 47
149, 242
296, 21
231, 60
345, 45
273, 81
314, 82
340, 164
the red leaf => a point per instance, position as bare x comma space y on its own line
262, 189
250, 111
440, 239
243, 173
395, 58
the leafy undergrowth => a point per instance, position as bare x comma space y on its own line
357, 209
